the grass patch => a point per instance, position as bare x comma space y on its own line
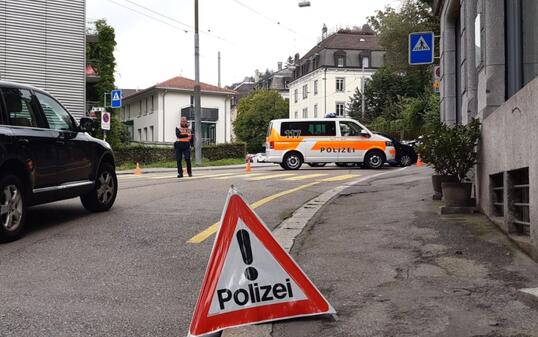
172, 164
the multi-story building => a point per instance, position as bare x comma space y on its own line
42, 43
489, 66
326, 77
153, 113
241, 90
276, 80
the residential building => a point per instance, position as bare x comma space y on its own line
153, 113
326, 77
276, 80
42, 43
489, 70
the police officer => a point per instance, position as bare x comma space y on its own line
183, 146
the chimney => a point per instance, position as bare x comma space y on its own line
324, 32
279, 66
296, 60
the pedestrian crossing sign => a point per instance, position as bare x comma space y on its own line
115, 98
421, 48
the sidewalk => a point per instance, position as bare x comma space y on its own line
391, 266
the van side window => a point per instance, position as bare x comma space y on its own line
349, 129
19, 107
313, 128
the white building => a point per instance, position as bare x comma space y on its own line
153, 114
326, 77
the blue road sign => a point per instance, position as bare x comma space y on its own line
421, 48
115, 98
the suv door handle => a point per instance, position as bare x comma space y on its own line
23, 141
60, 142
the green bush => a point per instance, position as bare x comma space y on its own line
151, 154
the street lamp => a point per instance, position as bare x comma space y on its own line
304, 3
197, 100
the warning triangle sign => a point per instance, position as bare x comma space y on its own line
250, 278
116, 96
421, 45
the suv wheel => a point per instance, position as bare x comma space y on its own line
374, 159
405, 160
103, 195
292, 161
12, 208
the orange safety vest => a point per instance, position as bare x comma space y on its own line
185, 131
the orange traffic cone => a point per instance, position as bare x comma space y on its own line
138, 170
248, 168
420, 163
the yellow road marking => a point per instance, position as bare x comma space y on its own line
246, 175
308, 176
272, 176
340, 177
196, 177
202, 236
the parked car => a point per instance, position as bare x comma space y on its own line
45, 156
405, 154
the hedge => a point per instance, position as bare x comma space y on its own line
151, 154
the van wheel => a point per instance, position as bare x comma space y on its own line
374, 159
12, 208
103, 195
316, 164
292, 161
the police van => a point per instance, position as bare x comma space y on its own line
292, 142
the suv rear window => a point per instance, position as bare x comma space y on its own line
313, 128
19, 107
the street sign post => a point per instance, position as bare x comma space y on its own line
105, 120
115, 98
250, 278
421, 48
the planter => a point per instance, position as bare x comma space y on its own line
437, 180
457, 194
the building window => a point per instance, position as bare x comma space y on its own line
152, 104
340, 84
315, 87
151, 133
129, 112
146, 107
145, 134
296, 95
521, 55
340, 61
340, 109
286, 83
519, 200
365, 61
140, 108
305, 91
296, 114
305, 112
315, 111
140, 135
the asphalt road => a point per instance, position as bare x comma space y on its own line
131, 271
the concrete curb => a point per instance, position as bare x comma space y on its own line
206, 168
287, 232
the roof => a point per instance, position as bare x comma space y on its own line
353, 41
128, 92
183, 83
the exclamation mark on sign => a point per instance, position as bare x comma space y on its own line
243, 238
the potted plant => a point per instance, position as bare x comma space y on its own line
462, 157
433, 151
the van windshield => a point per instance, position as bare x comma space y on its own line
269, 129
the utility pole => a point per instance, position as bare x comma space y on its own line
197, 100
362, 94
219, 70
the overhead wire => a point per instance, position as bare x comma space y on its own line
265, 16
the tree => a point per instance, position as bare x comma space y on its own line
101, 55
254, 113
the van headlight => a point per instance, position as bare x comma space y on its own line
389, 144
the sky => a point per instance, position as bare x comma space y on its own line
155, 38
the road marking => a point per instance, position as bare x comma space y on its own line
308, 176
195, 177
202, 236
272, 176
246, 175
340, 178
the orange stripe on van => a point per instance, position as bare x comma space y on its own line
283, 143
356, 145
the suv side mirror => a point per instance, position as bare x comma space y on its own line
365, 133
86, 124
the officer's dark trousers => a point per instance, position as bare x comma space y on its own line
183, 149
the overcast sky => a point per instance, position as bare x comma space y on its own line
151, 51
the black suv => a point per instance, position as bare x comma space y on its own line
45, 156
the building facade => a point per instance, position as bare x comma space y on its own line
326, 78
42, 43
153, 114
276, 80
489, 66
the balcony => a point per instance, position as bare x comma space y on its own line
91, 73
208, 114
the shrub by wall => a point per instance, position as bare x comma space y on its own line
150, 154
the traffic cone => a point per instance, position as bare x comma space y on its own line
248, 168
420, 163
138, 170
